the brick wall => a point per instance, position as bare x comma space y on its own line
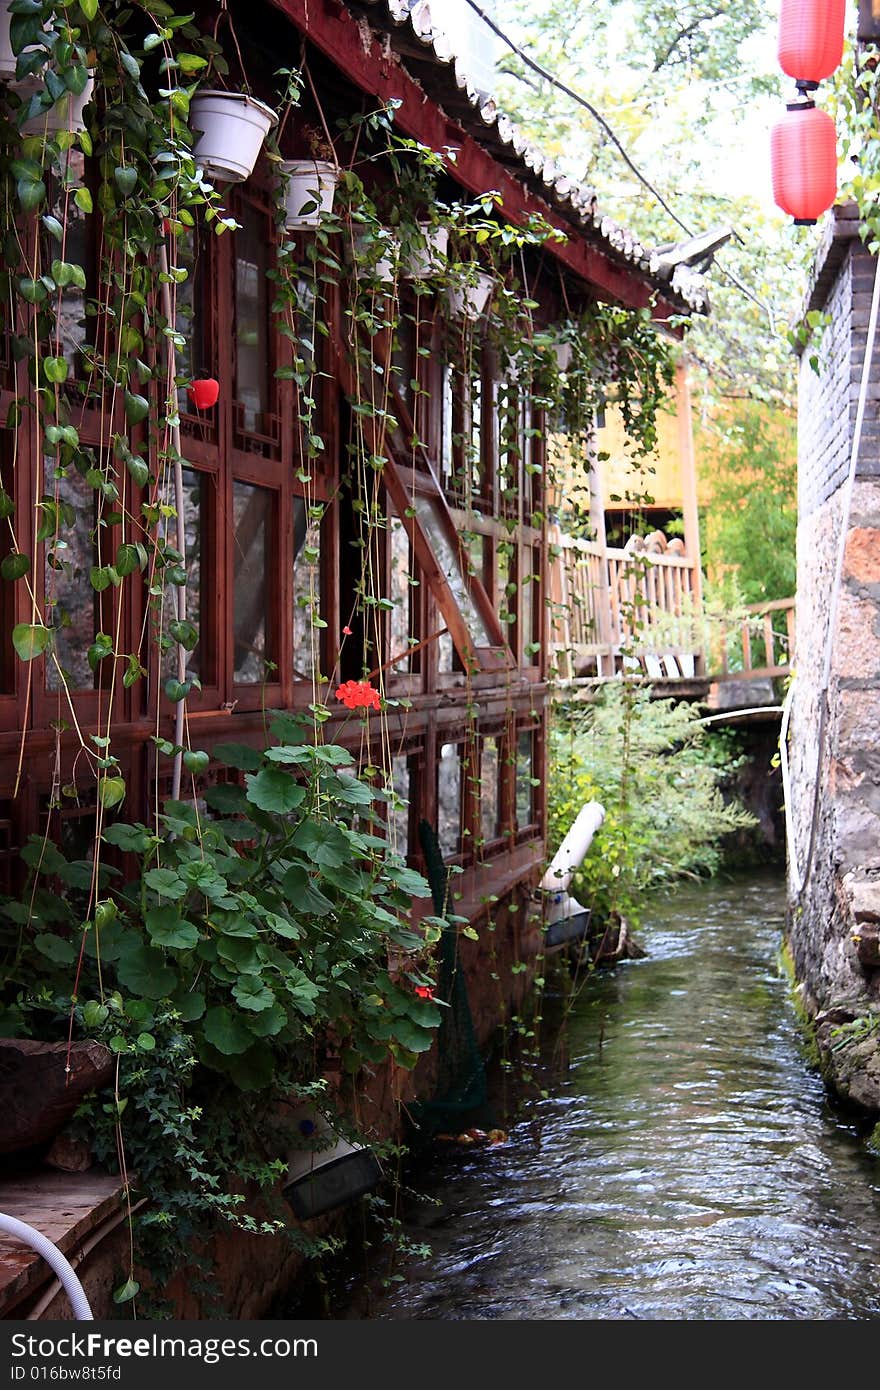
828, 918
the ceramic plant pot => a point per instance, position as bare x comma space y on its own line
229, 130
308, 195
7, 57
424, 261
469, 300
67, 113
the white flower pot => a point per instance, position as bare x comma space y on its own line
424, 261
562, 352
229, 130
7, 57
67, 113
469, 301
308, 197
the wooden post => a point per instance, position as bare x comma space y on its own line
604, 633
689, 487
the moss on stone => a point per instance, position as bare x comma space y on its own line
785, 964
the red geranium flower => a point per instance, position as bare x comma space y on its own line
358, 695
424, 992
346, 631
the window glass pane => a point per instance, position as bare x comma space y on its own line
398, 815
252, 520
445, 653
310, 356
473, 441
531, 607
448, 560
306, 592
189, 315
193, 521
403, 592
490, 800
449, 800
505, 602
447, 425
77, 249
72, 605
525, 798
252, 316
403, 358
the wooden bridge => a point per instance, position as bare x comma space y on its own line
612, 609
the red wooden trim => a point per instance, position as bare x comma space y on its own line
333, 30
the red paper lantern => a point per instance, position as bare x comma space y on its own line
204, 393
803, 155
811, 39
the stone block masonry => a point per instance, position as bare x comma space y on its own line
834, 922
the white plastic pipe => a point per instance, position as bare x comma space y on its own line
54, 1258
571, 852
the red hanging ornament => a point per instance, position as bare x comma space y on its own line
204, 393
803, 154
811, 39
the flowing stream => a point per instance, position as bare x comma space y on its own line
685, 1164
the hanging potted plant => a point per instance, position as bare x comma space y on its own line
229, 130
308, 191
7, 57
469, 297
65, 114
426, 254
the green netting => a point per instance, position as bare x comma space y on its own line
461, 1076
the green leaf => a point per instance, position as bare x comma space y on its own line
138, 470
143, 970
226, 798
101, 648
32, 291
251, 993
137, 408
275, 791
325, 844
111, 791
127, 560
238, 755
94, 1014
196, 761
146, 1042
56, 369
299, 888
226, 1032
83, 199
56, 948
31, 193
186, 633
15, 565
30, 640
410, 1036
127, 1291
126, 178
133, 839
166, 883
189, 1004
166, 927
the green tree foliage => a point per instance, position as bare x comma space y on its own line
750, 525
659, 774
675, 82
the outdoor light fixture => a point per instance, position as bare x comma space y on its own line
811, 40
329, 1172
803, 155
803, 146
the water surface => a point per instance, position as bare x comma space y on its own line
685, 1164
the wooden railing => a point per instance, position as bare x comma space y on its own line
761, 645
607, 602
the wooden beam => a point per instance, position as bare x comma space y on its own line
331, 27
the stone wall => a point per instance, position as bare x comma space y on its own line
834, 918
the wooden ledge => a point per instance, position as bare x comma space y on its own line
73, 1210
